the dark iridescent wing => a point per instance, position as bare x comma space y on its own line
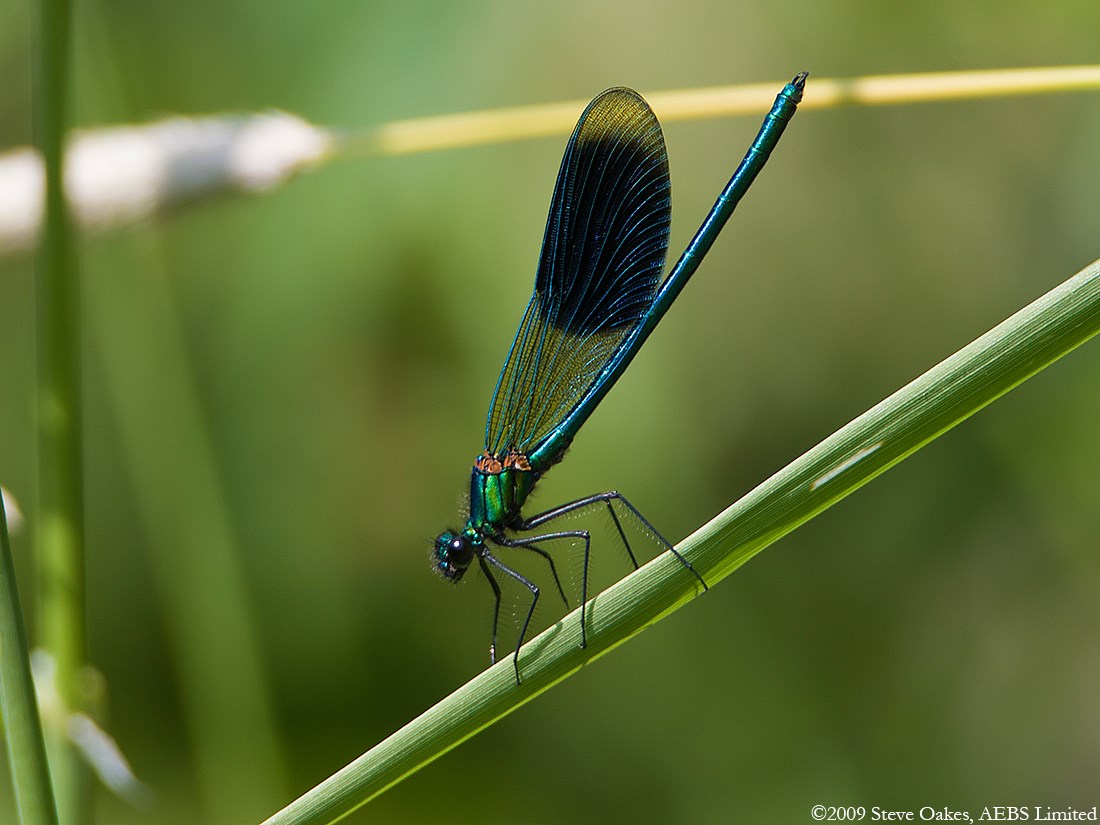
602, 258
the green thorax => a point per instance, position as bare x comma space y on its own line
498, 488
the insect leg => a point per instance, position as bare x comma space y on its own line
496, 607
527, 545
564, 534
487, 557
607, 498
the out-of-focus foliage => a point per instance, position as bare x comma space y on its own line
297, 383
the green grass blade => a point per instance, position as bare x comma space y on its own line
950, 392
22, 726
60, 512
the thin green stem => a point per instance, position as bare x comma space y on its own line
22, 727
60, 535
947, 394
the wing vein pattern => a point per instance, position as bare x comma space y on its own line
602, 257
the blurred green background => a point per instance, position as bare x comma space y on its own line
284, 395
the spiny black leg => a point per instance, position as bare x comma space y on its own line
622, 535
655, 532
524, 543
486, 556
496, 607
564, 534
584, 589
608, 497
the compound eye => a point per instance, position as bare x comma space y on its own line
460, 551
453, 554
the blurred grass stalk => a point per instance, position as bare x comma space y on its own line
121, 175
191, 539
426, 134
950, 392
60, 511
18, 707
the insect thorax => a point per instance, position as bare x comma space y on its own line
498, 487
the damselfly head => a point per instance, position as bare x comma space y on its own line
452, 554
